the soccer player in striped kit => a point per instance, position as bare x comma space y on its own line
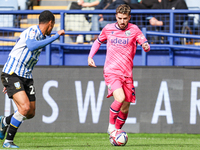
122, 38
17, 74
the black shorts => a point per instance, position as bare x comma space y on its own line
15, 83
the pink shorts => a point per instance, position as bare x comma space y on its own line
117, 81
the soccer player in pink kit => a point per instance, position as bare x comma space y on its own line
121, 48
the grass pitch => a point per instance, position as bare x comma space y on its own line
100, 141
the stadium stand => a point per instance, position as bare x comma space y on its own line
33, 19
8, 20
66, 52
23, 4
192, 25
55, 2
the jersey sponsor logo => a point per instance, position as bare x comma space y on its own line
119, 41
17, 85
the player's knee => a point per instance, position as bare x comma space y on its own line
119, 95
125, 107
25, 109
31, 114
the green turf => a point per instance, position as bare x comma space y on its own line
100, 141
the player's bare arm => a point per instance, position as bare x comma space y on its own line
146, 47
91, 62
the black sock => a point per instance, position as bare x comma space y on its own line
8, 118
11, 132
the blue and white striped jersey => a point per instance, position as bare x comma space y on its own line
24, 55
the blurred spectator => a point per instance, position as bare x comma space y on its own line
24, 4
83, 3
162, 22
100, 21
168, 4
32, 3
80, 22
143, 4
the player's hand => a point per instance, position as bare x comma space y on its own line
146, 47
61, 32
154, 22
91, 62
4, 90
85, 4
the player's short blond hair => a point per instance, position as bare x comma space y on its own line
123, 9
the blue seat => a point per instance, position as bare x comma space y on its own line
8, 5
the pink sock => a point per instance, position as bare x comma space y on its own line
114, 111
120, 120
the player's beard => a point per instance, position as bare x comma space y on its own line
122, 26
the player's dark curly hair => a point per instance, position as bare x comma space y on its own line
46, 16
123, 9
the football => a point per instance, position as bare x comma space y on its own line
118, 137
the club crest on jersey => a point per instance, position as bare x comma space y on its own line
17, 85
119, 41
128, 33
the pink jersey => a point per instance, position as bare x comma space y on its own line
121, 48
